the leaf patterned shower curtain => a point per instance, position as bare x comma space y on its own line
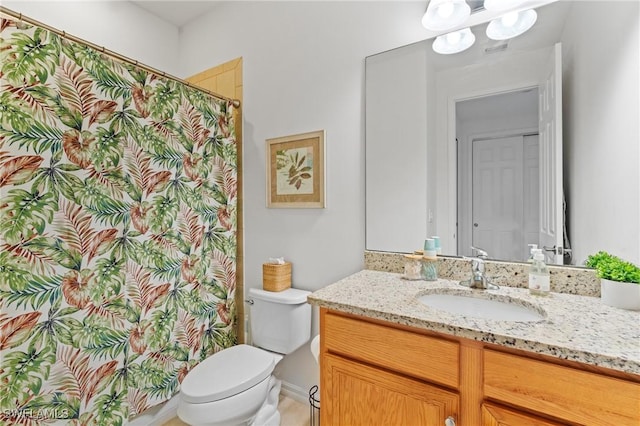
117, 232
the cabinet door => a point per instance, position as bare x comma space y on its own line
494, 415
355, 394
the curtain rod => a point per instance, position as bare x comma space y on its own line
114, 55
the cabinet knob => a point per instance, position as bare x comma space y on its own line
450, 421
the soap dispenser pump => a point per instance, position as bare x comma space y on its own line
532, 247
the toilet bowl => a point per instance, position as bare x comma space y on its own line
233, 384
236, 386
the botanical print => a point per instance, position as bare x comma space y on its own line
117, 232
294, 171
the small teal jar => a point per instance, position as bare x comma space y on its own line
430, 269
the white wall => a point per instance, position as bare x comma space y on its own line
303, 65
119, 26
601, 129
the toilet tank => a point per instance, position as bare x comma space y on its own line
279, 321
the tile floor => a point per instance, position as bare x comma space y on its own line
292, 412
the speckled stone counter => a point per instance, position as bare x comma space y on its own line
578, 328
570, 280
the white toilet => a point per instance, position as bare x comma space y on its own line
235, 386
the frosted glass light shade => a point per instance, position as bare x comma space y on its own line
501, 5
454, 42
442, 15
511, 24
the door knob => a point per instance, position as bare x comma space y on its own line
450, 421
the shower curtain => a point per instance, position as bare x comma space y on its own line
117, 231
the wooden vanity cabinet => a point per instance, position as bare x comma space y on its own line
378, 373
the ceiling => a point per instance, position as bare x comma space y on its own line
180, 13
177, 13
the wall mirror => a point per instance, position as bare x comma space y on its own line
476, 148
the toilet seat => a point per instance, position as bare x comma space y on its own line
227, 373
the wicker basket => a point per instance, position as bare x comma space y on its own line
276, 277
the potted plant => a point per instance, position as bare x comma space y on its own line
619, 280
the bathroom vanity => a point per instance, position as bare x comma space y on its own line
388, 359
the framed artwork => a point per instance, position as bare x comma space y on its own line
295, 171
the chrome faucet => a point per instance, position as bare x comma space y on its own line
481, 253
478, 280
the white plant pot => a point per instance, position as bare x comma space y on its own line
620, 295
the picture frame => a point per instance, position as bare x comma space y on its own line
296, 171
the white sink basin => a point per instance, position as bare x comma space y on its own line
479, 307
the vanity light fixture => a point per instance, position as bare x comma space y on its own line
511, 24
454, 42
442, 15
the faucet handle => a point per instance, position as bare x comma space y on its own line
477, 264
481, 253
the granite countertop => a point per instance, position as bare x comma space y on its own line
578, 328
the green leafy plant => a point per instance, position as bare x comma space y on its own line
613, 268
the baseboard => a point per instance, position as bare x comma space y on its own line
294, 392
158, 415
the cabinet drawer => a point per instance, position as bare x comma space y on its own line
416, 355
566, 393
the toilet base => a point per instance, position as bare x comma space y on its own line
266, 415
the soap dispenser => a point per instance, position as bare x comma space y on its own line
539, 279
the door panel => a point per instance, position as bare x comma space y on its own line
531, 181
550, 129
498, 196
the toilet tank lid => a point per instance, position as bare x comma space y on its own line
227, 373
290, 296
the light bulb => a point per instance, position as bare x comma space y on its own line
445, 10
509, 19
454, 37
511, 24
454, 42
442, 15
